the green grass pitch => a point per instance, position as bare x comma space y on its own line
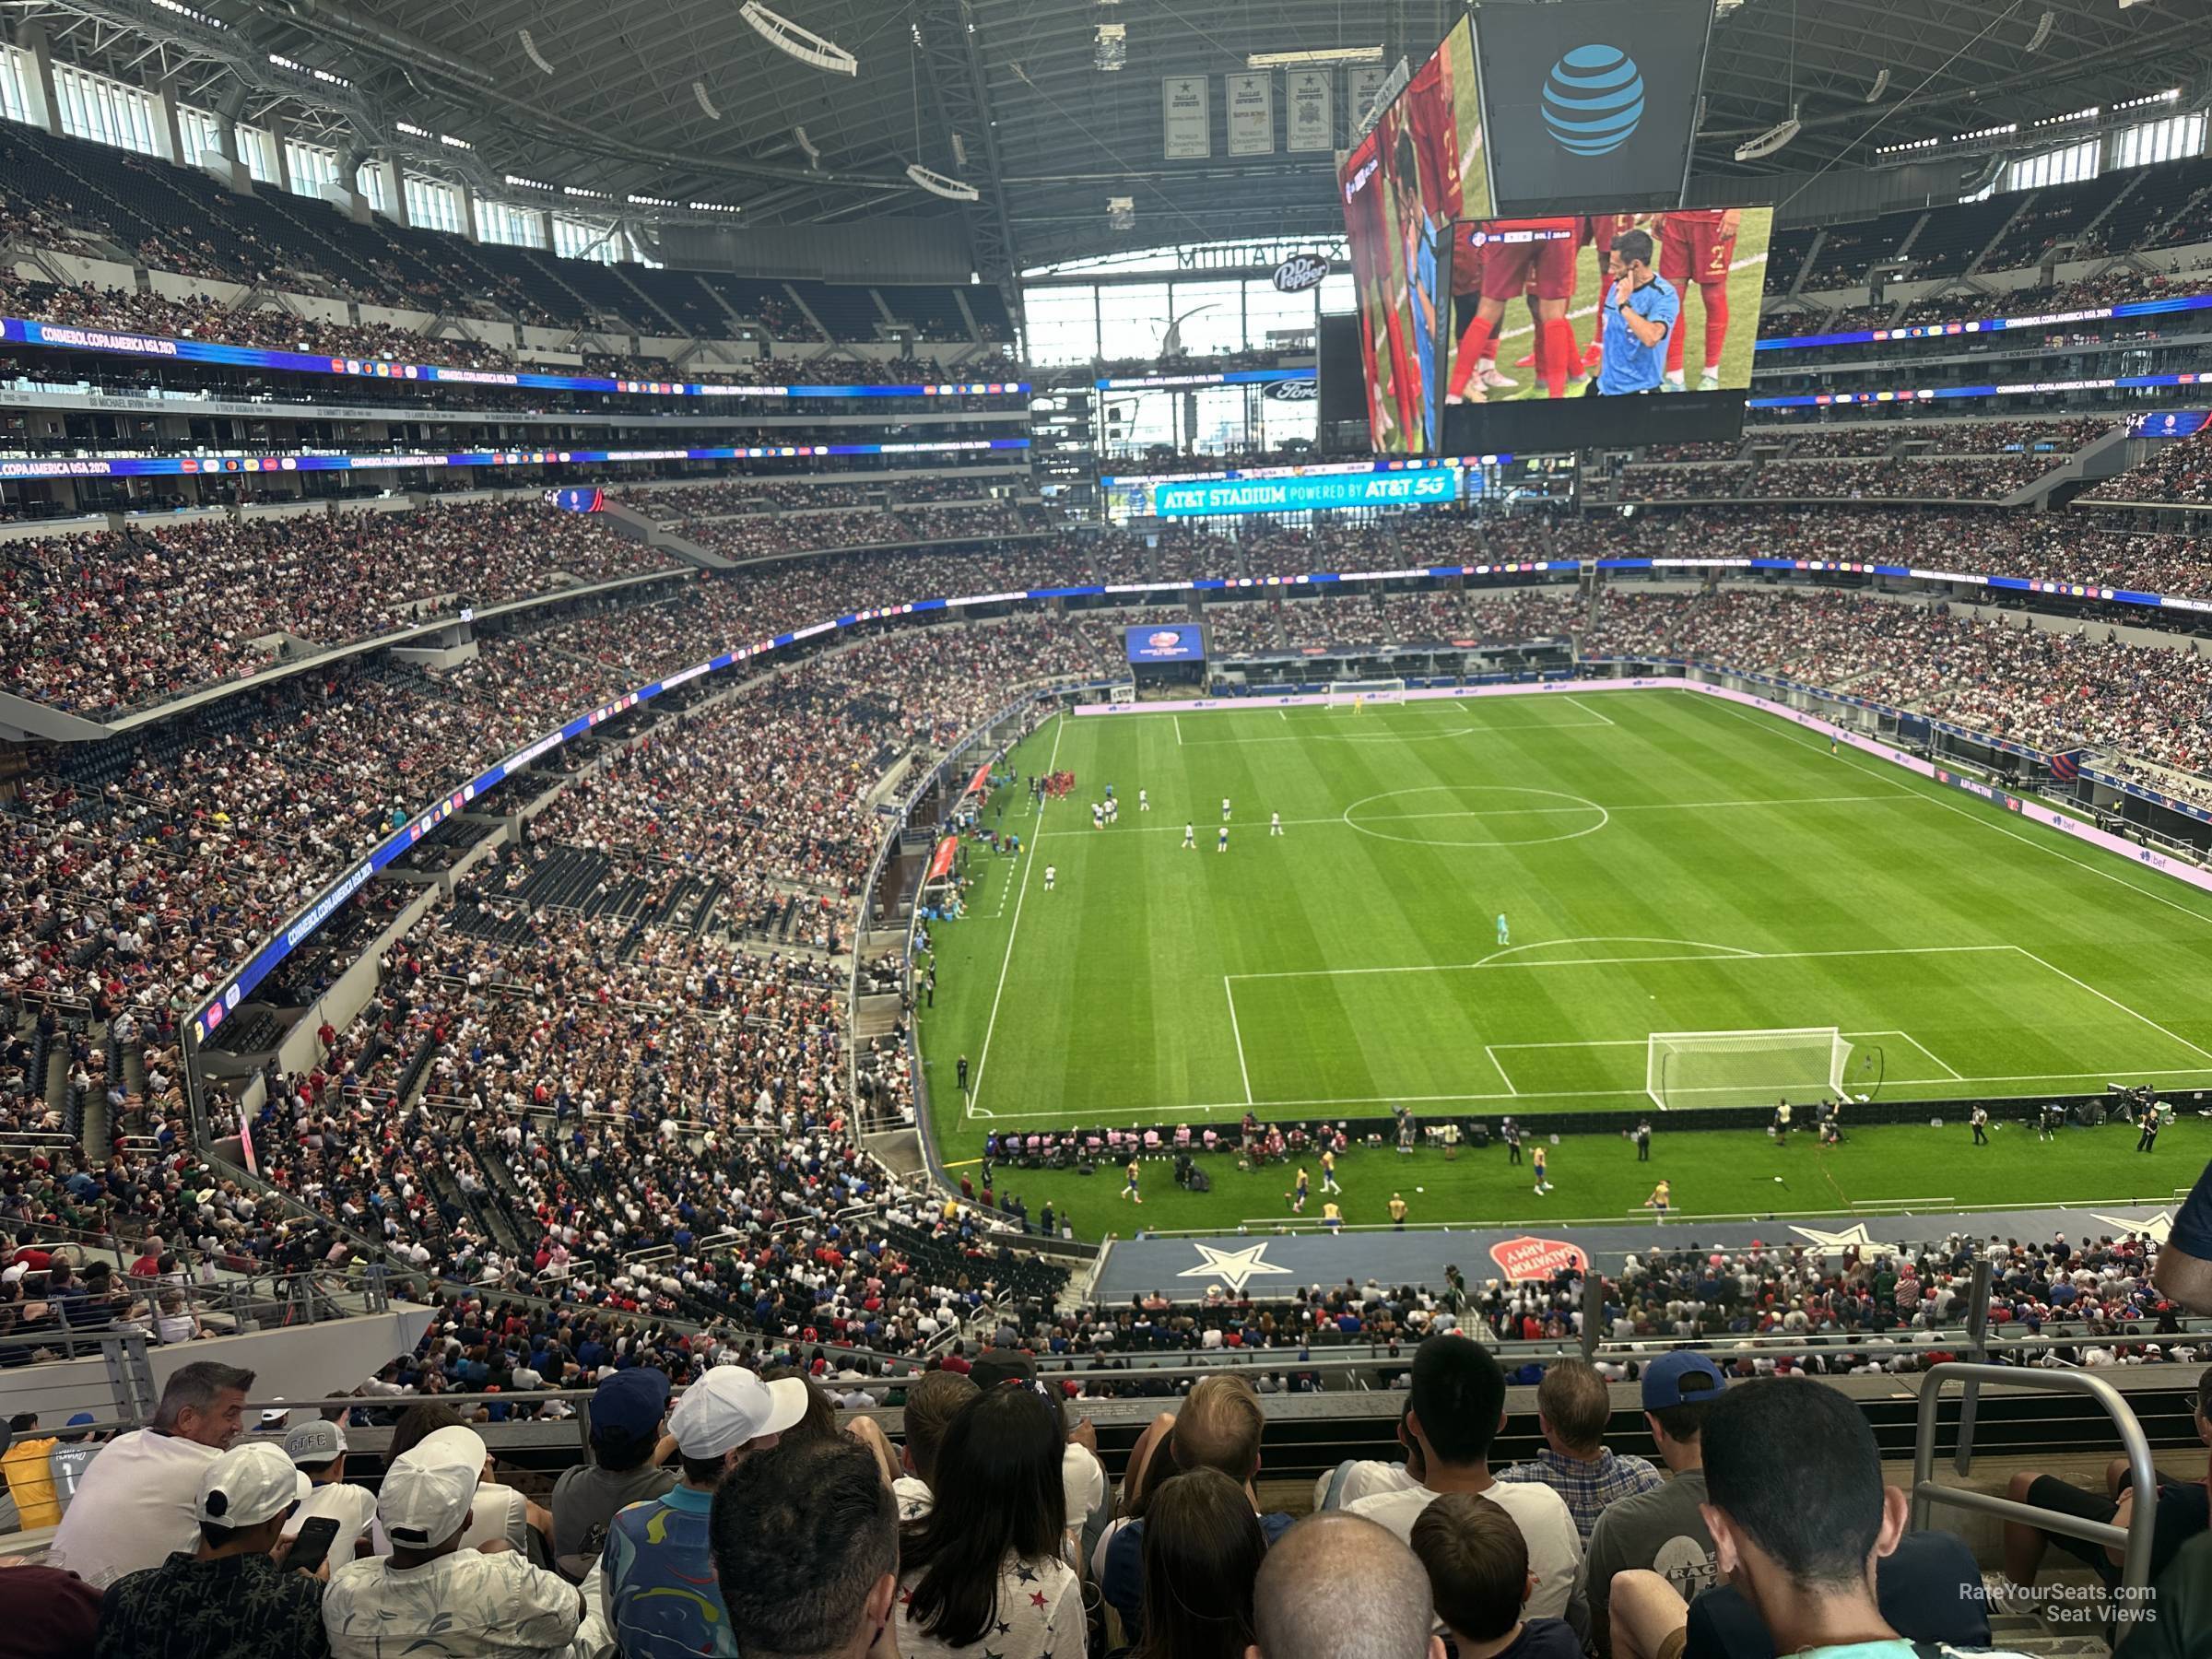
1666, 862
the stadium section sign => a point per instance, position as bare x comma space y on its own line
1591, 100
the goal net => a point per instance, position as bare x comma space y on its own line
1802, 1065
1358, 694
1122, 695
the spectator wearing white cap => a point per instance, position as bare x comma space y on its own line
229, 1598
138, 1503
318, 1450
659, 1565
433, 1597
499, 1512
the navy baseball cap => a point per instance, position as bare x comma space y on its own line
630, 1404
1680, 1379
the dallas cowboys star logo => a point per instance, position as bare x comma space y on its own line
1855, 1234
1232, 1267
2153, 1228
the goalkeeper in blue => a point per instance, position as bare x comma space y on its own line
1505, 934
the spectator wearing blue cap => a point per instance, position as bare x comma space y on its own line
1660, 1530
76, 1448
630, 1459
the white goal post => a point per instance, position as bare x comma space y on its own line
1801, 1064
1122, 695
1358, 694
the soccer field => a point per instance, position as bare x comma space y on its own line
1666, 862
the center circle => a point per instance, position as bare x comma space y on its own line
1476, 815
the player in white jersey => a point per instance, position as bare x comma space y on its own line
1049, 872
1221, 840
1190, 837
1143, 800
1275, 823
1225, 809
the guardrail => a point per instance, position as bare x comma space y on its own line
2133, 1540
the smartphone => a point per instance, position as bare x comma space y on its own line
311, 1548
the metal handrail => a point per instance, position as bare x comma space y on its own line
2135, 1539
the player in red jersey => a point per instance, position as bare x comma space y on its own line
1518, 254
1698, 245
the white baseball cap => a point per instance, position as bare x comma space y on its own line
247, 1485
316, 1441
730, 1406
456, 1443
425, 1501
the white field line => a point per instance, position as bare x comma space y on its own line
1595, 714
1028, 862
1949, 1070
1502, 1072
1178, 720
1169, 1110
1760, 955
1476, 811
2115, 1002
1237, 1037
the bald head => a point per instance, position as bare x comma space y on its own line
1303, 1610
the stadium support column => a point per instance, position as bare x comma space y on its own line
37, 80
169, 139
962, 96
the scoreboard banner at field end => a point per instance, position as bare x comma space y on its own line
1328, 492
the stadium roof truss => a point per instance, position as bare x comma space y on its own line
680, 101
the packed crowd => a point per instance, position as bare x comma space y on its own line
105, 622
2178, 470
741, 1513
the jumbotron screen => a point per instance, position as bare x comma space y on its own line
1404, 185
1582, 330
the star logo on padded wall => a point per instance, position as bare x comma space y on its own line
1854, 1235
1232, 1267
2154, 1228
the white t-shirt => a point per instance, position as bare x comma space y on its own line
352, 1507
1555, 1547
136, 1506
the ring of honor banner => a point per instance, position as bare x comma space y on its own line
1189, 131
1404, 185
1251, 113
1591, 104
1308, 104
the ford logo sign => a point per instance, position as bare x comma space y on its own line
1300, 272
1297, 391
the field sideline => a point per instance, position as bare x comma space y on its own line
1665, 864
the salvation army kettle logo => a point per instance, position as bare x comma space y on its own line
1593, 99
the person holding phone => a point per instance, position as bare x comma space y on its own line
318, 1450
234, 1596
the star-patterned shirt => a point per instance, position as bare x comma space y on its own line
1040, 1617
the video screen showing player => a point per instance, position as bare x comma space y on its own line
1404, 185
1570, 306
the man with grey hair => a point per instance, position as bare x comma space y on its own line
138, 1501
1303, 1606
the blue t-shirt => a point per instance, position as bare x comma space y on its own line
2192, 1231
1629, 365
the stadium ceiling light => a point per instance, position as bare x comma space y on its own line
801, 43
530, 183
649, 201
712, 208
453, 143
531, 51
937, 184
411, 130
1776, 137
1318, 59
